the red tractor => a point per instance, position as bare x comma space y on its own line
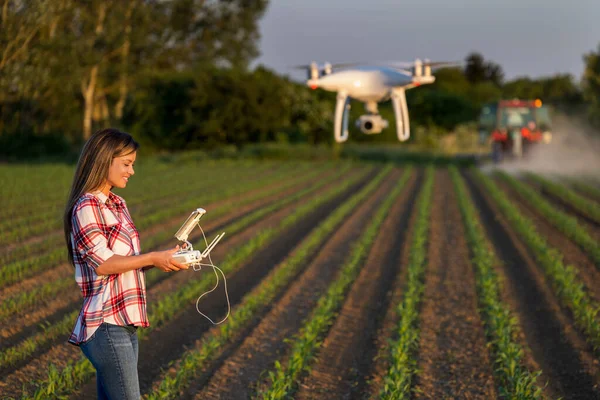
513, 126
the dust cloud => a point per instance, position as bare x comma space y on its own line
574, 152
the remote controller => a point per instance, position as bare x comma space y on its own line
188, 257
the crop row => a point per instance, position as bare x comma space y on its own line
515, 380
24, 301
28, 346
142, 199
74, 374
582, 187
152, 209
562, 221
17, 270
283, 380
26, 188
563, 278
52, 221
51, 205
398, 379
580, 203
164, 310
212, 345
34, 183
51, 193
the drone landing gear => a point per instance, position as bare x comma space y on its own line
342, 110
401, 113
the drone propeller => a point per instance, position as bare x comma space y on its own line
418, 67
413, 68
337, 65
314, 70
435, 64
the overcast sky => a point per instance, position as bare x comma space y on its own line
526, 37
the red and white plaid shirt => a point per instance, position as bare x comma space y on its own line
102, 227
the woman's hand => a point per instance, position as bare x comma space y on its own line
164, 261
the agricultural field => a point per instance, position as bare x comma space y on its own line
346, 280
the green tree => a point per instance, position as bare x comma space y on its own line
477, 70
430, 107
484, 92
87, 55
215, 106
591, 85
160, 113
561, 88
186, 33
452, 80
312, 113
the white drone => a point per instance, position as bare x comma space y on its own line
371, 84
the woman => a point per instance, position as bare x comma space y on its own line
104, 247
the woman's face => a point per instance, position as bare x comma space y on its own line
120, 170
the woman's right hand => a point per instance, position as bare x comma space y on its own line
164, 261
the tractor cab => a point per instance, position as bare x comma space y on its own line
511, 127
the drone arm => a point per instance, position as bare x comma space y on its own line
401, 113
342, 108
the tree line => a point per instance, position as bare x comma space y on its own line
68, 67
175, 73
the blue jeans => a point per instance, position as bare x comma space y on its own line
113, 351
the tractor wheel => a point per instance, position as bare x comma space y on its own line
497, 152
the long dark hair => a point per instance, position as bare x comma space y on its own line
92, 170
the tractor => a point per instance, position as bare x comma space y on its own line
513, 127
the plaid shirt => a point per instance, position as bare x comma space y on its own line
102, 227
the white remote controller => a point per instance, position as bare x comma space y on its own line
188, 257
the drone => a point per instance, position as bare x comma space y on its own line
371, 84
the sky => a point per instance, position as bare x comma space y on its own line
532, 38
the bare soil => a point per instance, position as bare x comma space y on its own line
7, 249
588, 272
240, 373
549, 337
587, 195
188, 326
387, 329
60, 352
589, 224
340, 371
28, 321
453, 359
171, 224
